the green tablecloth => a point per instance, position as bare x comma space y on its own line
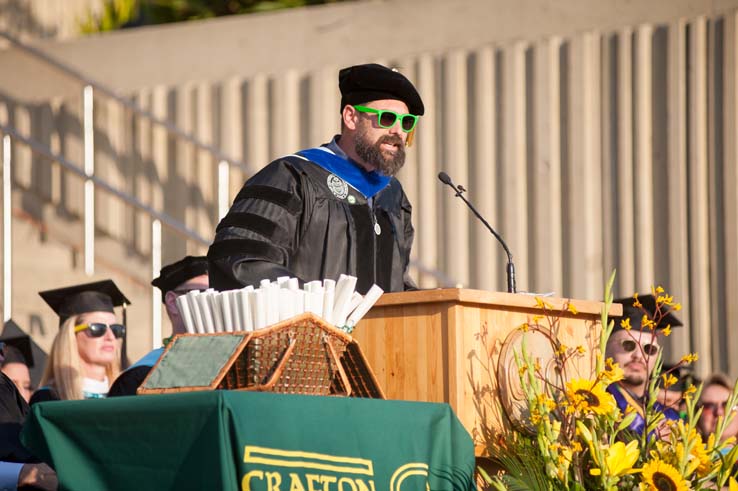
258, 441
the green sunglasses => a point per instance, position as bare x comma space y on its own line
387, 119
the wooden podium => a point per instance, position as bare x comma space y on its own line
426, 346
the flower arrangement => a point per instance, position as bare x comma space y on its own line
576, 437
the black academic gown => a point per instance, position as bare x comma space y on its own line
44, 394
288, 221
13, 413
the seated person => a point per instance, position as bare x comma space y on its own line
714, 398
18, 468
15, 367
85, 355
636, 350
190, 273
673, 396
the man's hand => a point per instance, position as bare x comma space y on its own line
37, 476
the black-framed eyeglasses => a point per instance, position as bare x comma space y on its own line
97, 329
629, 345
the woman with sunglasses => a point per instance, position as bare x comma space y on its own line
85, 355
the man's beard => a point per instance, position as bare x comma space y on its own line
372, 153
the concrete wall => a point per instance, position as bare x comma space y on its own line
45, 19
592, 135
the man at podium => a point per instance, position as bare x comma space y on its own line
335, 209
635, 350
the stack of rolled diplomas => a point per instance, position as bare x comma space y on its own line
252, 308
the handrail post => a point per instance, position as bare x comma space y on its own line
89, 168
7, 237
155, 292
223, 188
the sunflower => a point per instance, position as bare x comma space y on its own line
660, 476
585, 395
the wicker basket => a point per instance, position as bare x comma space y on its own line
302, 355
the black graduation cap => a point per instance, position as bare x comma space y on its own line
371, 82
175, 274
73, 300
21, 342
648, 307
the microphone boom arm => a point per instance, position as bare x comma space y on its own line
459, 192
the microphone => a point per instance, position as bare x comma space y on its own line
444, 178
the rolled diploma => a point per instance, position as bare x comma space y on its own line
329, 291
245, 310
207, 316
286, 304
298, 300
226, 311
272, 309
184, 312
369, 300
317, 302
195, 310
293, 284
344, 291
257, 302
214, 303
356, 299
235, 310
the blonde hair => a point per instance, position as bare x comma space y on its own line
63, 370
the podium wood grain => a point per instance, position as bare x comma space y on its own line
422, 344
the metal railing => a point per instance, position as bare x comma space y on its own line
91, 183
89, 91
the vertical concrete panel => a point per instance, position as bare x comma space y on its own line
205, 172
232, 130
182, 162
163, 157
699, 297
22, 155
488, 272
145, 184
730, 183
70, 122
285, 126
625, 197
513, 170
257, 122
546, 213
55, 173
324, 103
426, 209
584, 221
678, 243
716, 191
643, 182
44, 132
457, 260
408, 175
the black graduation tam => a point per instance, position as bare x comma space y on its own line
648, 307
360, 84
100, 296
14, 336
175, 274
